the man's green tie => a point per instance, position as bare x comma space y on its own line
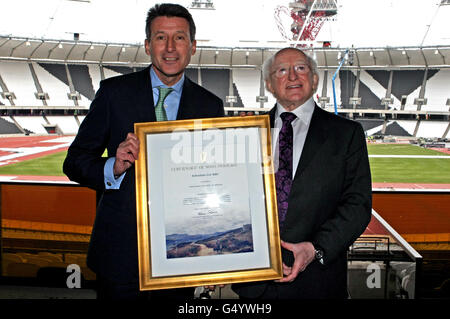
159, 109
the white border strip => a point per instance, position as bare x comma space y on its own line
409, 249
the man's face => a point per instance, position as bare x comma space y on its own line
170, 47
291, 81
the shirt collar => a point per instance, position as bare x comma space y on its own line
156, 82
303, 112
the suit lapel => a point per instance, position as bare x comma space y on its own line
316, 137
145, 103
187, 108
272, 117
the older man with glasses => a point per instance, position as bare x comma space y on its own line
323, 185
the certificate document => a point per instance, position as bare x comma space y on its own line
206, 203
208, 212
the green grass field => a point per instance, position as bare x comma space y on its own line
408, 170
384, 170
49, 165
401, 149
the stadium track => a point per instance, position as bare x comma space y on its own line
29, 147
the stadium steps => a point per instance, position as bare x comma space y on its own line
446, 130
7, 127
416, 129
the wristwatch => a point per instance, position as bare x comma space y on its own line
319, 255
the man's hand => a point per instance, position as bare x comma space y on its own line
126, 154
304, 254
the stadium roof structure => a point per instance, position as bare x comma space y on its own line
84, 52
230, 33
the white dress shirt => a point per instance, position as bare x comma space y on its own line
300, 128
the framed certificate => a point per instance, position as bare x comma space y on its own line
206, 203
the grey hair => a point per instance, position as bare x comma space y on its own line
267, 65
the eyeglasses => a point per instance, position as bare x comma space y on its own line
283, 70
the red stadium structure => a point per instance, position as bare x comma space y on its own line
308, 17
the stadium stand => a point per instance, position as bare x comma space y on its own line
352, 86
10, 258
67, 124
55, 88
95, 75
8, 127
360, 94
192, 73
18, 79
247, 83
406, 83
370, 124
437, 91
408, 126
22, 270
431, 129
110, 73
34, 124
82, 81
43, 265
394, 129
217, 81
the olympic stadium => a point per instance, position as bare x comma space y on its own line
385, 64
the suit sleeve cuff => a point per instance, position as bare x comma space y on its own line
110, 181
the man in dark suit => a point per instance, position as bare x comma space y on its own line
119, 103
323, 185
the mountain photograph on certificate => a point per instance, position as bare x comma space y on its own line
207, 210
237, 240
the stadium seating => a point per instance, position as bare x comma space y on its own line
22, 270
8, 127
34, 124
9, 258
43, 265
66, 124
437, 91
372, 88
18, 79
57, 90
95, 74
430, 129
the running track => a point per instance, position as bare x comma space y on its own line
16, 149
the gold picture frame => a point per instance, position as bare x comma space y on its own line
212, 226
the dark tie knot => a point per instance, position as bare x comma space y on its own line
287, 117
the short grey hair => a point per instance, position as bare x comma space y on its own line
267, 65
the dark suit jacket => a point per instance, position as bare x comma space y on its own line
329, 205
119, 103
